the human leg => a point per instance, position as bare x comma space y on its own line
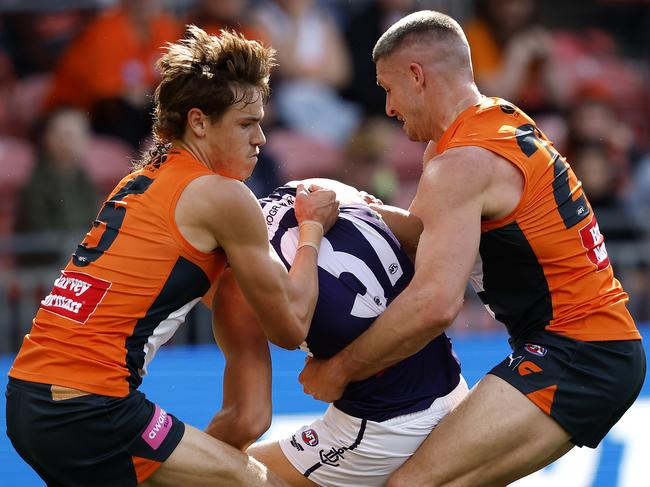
493, 437
340, 450
86, 439
107, 441
552, 392
18, 420
201, 460
270, 454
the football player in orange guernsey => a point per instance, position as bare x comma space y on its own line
162, 237
502, 207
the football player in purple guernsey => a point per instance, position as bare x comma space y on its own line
365, 261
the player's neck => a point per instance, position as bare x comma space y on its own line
193, 150
464, 98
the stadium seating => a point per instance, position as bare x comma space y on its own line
28, 99
107, 160
17, 157
301, 156
405, 156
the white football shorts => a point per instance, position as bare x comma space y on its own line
340, 450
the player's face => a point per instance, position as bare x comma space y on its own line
401, 95
235, 139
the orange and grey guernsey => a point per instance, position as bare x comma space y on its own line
126, 289
545, 265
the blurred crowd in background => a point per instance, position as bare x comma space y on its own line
76, 79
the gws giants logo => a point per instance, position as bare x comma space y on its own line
310, 437
535, 349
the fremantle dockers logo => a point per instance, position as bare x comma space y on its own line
310, 437
535, 349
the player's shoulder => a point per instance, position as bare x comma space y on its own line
459, 174
213, 192
461, 162
218, 186
496, 114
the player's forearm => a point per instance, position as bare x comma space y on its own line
407, 325
303, 282
246, 408
405, 226
303, 291
288, 303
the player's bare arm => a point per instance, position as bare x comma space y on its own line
457, 190
220, 212
405, 225
246, 408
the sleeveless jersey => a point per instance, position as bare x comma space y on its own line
544, 266
125, 290
361, 269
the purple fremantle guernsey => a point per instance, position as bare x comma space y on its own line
361, 269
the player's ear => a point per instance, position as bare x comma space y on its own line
417, 74
196, 121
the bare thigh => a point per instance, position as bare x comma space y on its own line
200, 460
495, 436
270, 454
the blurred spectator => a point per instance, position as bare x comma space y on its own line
214, 15
59, 195
592, 120
365, 165
313, 64
363, 30
37, 39
593, 167
638, 196
513, 56
109, 69
7, 85
637, 283
598, 175
592, 67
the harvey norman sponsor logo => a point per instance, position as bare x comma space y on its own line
594, 242
75, 295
